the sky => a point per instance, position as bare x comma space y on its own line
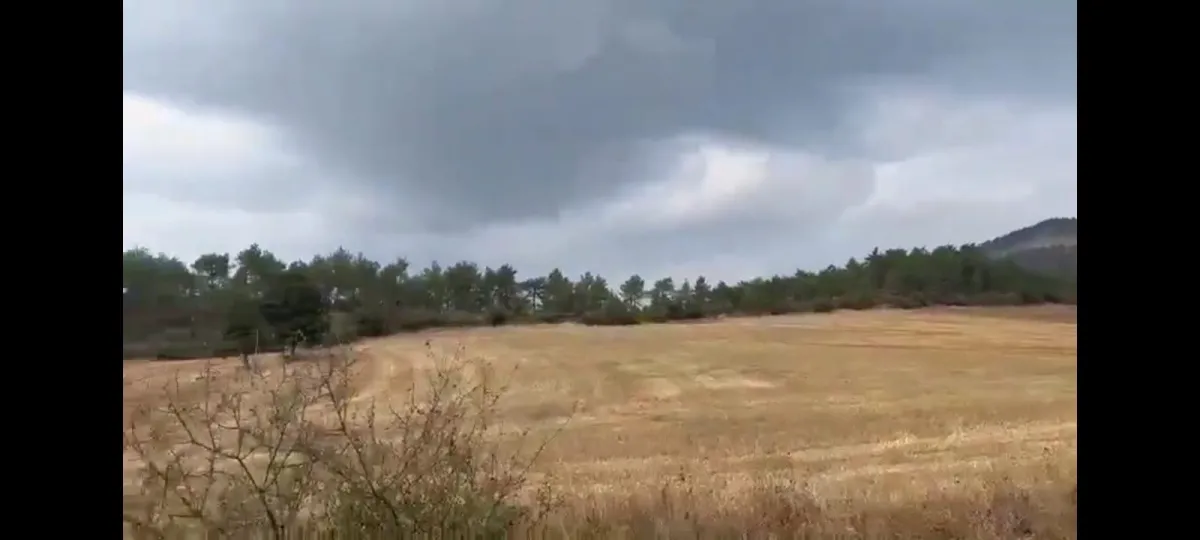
659, 137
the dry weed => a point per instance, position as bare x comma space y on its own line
289, 450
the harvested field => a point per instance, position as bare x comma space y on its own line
1048, 313
888, 406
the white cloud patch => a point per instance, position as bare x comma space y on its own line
714, 179
197, 182
955, 169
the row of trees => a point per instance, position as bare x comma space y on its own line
220, 303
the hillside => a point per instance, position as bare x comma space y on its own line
1048, 247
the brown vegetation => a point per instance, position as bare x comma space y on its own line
929, 423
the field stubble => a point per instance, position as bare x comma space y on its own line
885, 407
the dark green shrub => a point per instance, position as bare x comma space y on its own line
951, 299
417, 320
856, 301
1032, 297
369, 324
823, 305
995, 299
681, 312
602, 318
552, 318
906, 302
498, 317
461, 319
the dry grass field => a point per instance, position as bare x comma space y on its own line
877, 407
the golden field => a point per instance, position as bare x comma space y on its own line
875, 407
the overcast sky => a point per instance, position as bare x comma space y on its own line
663, 137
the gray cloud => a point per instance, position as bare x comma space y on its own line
481, 110
654, 136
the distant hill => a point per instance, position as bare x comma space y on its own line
1049, 247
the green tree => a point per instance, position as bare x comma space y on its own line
633, 291
169, 304
702, 293
214, 269
662, 293
294, 309
533, 292
255, 268
463, 282
243, 327
505, 292
560, 293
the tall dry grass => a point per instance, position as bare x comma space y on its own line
290, 451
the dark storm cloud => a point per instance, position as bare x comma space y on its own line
490, 110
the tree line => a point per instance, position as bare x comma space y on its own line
220, 304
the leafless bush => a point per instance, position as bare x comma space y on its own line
293, 449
